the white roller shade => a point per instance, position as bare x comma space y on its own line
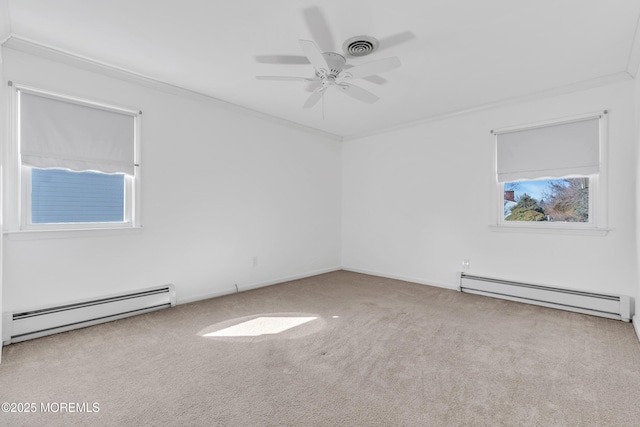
57, 133
553, 151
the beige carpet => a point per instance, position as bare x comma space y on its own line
379, 352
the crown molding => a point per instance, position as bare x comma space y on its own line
633, 64
43, 50
549, 93
79, 61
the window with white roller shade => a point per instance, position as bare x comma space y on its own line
62, 134
553, 151
552, 175
73, 163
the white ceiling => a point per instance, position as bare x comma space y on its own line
456, 55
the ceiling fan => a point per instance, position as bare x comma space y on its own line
330, 72
331, 68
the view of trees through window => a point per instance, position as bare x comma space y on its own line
557, 200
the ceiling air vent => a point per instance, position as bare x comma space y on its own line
360, 45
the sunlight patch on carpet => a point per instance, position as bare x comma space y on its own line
265, 326
261, 326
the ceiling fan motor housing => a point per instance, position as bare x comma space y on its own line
335, 61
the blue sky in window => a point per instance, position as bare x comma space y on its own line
65, 196
535, 189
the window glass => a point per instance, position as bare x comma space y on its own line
64, 196
551, 177
73, 164
552, 200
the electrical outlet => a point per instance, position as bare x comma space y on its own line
466, 264
255, 261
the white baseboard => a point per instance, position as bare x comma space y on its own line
636, 325
287, 279
247, 287
403, 278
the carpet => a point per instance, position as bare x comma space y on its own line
338, 349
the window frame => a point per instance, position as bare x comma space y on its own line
597, 224
26, 211
18, 176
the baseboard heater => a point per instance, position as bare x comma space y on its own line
597, 304
25, 325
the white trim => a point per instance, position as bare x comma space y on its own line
247, 287
63, 233
633, 64
129, 222
46, 51
549, 228
636, 325
550, 122
45, 93
18, 180
597, 220
4, 135
134, 209
598, 186
11, 164
549, 93
250, 286
86, 63
403, 278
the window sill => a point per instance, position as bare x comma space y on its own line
547, 229
69, 233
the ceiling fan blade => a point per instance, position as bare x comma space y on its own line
376, 80
281, 59
314, 55
314, 85
358, 93
314, 98
371, 68
395, 39
319, 28
287, 78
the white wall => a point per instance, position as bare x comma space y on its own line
219, 186
637, 139
417, 201
3, 137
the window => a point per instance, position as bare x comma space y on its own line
60, 196
73, 164
550, 176
554, 200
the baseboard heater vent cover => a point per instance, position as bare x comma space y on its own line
597, 304
25, 325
